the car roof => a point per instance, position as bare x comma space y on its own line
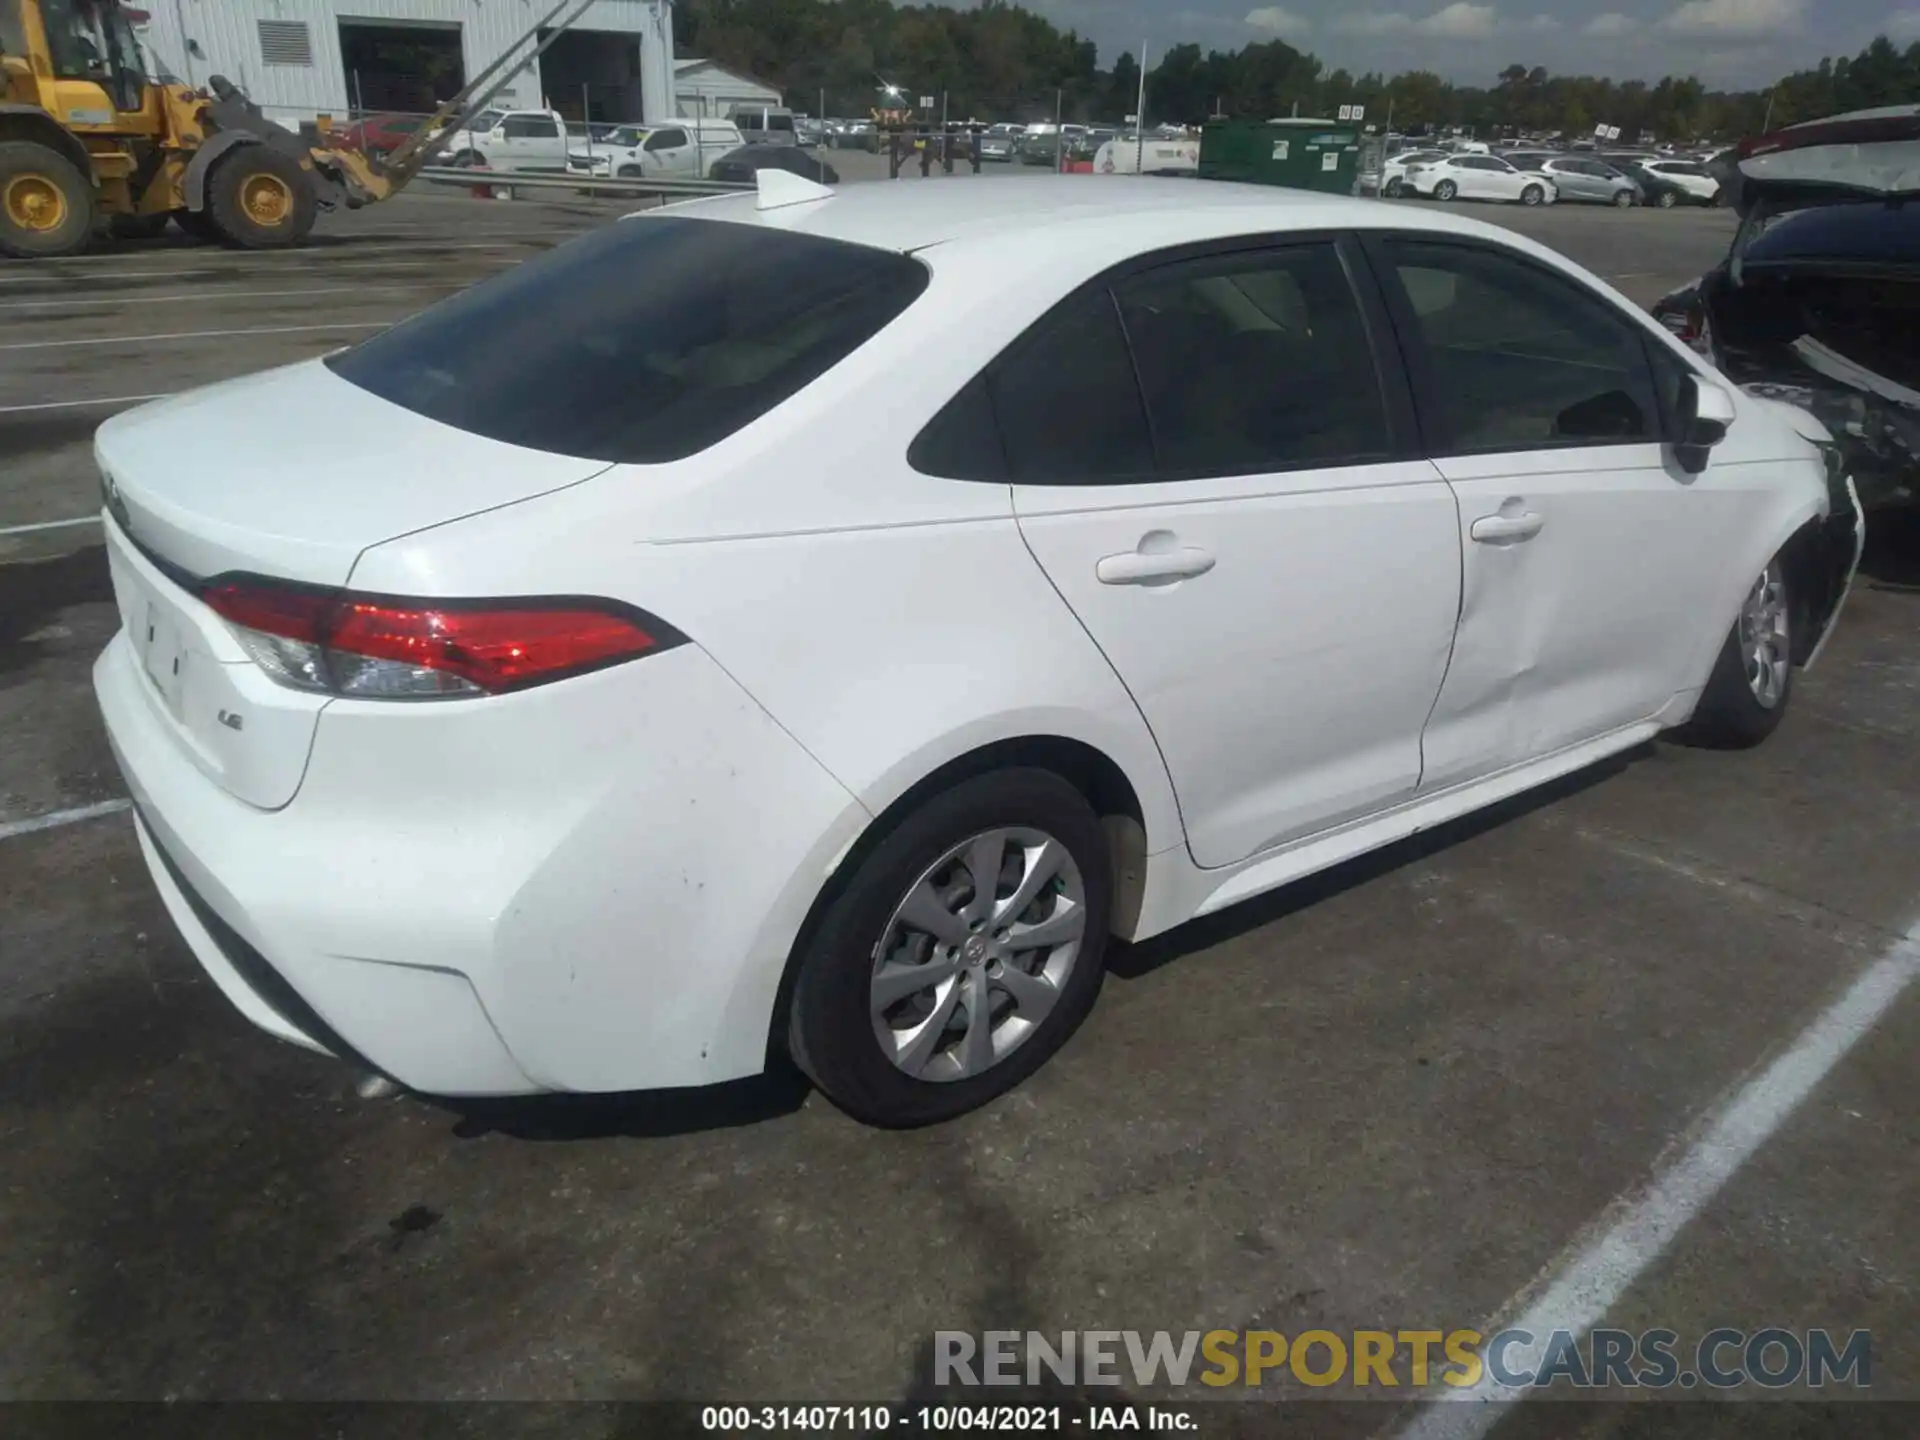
991, 210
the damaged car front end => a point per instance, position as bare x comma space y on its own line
1818, 301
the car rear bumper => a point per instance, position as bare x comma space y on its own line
597, 890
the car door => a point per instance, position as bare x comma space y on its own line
1586, 547
1501, 180
668, 151
1570, 177
1210, 459
534, 142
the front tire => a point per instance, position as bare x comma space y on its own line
963, 951
1752, 679
1623, 200
46, 204
260, 199
1532, 195
1445, 190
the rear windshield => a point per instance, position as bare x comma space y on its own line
1867, 231
642, 342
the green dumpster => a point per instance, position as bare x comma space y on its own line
1304, 154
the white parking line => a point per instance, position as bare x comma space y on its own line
201, 296
49, 525
11, 828
84, 404
197, 335
1588, 1284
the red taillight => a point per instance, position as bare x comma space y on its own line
389, 647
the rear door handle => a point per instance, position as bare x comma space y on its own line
1153, 567
1507, 529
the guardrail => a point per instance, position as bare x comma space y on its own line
577, 181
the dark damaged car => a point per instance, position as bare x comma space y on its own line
1818, 300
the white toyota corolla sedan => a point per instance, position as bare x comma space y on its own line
816, 624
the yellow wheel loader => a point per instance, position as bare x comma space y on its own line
88, 138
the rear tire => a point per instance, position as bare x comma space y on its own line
46, 204
1752, 679
1667, 200
260, 199
859, 1046
1394, 187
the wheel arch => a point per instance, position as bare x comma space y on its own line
1089, 769
31, 123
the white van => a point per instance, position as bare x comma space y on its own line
765, 124
674, 149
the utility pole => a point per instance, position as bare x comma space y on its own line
1766, 125
1140, 118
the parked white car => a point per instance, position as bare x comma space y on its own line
1208, 536
1393, 173
526, 140
1478, 177
680, 149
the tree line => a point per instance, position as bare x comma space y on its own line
999, 61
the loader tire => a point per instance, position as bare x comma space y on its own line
46, 204
260, 199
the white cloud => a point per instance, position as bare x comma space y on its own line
1903, 25
1458, 21
1539, 25
1613, 23
1736, 17
1280, 22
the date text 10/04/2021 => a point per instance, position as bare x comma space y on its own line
944, 1419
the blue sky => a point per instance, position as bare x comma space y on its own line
1728, 43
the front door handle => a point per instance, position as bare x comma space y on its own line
1153, 567
1507, 529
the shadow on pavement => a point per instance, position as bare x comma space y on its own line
33, 591
651, 1114
1892, 557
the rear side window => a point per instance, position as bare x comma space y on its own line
642, 342
1255, 361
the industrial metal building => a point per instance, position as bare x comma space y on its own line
302, 58
702, 88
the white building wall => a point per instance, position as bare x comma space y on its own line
713, 93
228, 34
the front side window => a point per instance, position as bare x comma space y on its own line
641, 342
1254, 362
1518, 358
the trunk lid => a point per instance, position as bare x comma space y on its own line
293, 472
290, 474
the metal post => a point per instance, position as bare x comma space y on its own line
359, 100
586, 119
1140, 118
1059, 140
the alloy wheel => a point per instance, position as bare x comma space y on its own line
976, 953
1765, 638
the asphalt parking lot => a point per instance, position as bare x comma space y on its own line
1431, 1090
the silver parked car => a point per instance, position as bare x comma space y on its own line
1581, 177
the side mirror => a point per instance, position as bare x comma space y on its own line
1705, 414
